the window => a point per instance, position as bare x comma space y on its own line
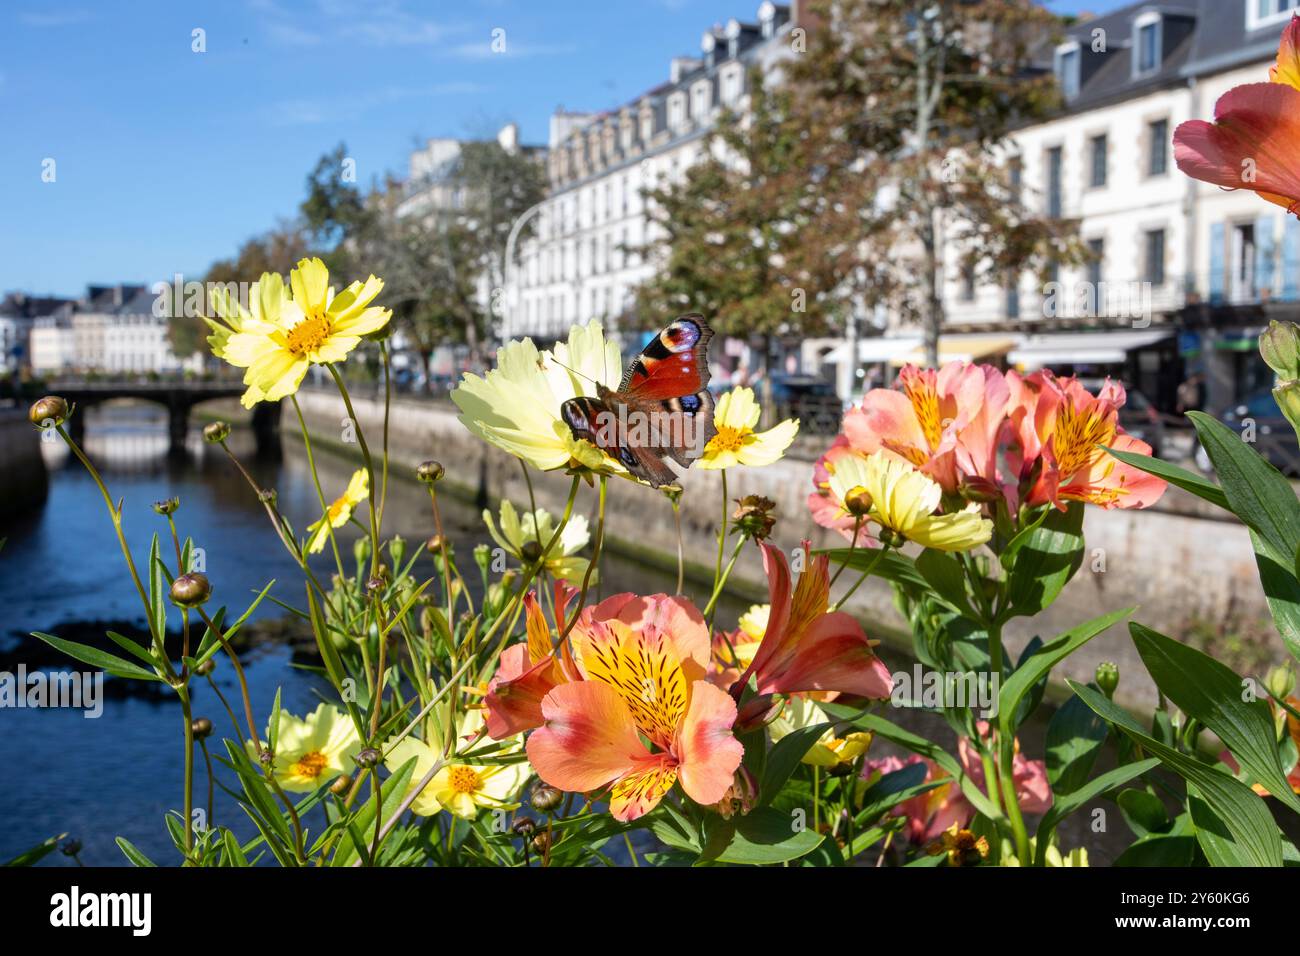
1054, 182
700, 100
968, 282
732, 78
1243, 263
1147, 47
1158, 147
1097, 257
1097, 175
1260, 13
1067, 69
1154, 265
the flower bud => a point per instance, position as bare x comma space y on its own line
891, 538
48, 411
1107, 677
341, 785
758, 712
1280, 681
542, 841
482, 557
545, 798
206, 667
531, 551
369, 757
754, 516
524, 826
191, 590
166, 506
981, 490
70, 847
361, 550
1287, 396
216, 432
857, 501
430, 471
397, 549
267, 496
201, 728
1279, 346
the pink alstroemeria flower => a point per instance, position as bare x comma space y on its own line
1033, 791
1254, 141
928, 814
527, 672
643, 662
1059, 426
806, 647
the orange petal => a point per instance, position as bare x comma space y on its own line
707, 751
588, 739
1287, 68
639, 792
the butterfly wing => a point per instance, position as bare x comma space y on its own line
675, 363
597, 420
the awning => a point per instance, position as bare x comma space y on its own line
1083, 348
961, 348
873, 350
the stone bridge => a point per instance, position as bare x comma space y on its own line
177, 396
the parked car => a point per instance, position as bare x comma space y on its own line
1273, 436
1138, 416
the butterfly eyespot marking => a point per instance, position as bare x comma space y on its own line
690, 403
627, 458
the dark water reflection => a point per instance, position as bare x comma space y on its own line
116, 775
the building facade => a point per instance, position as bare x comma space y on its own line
581, 263
113, 329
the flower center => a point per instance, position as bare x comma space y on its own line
464, 779
925, 403
310, 765
728, 439
1076, 439
307, 336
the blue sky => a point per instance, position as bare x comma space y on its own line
166, 159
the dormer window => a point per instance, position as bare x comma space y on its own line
767, 17
677, 111
701, 93
1147, 44
1263, 13
1068, 59
730, 82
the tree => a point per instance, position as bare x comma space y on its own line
729, 238
909, 104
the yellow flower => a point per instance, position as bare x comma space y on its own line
460, 788
754, 621
537, 527
736, 442
903, 501
267, 299
314, 750
291, 332
339, 511
963, 847
1053, 857
829, 751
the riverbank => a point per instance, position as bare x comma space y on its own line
22, 471
1190, 573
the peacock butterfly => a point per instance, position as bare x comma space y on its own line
661, 409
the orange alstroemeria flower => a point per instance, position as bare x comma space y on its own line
1059, 428
527, 672
1254, 141
807, 647
948, 423
642, 661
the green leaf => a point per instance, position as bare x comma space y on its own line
1257, 492
1075, 736
158, 591
1252, 835
766, 836
1065, 804
943, 572
131, 647
783, 759
1212, 834
673, 829
1045, 562
37, 853
105, 661
1159, 851
133, 853
1179, 477
892, 789
1282, 591
1040, 665
1203, 688
892, 566
391, 793
1143, 812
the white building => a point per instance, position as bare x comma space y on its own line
112, 330
19, 314
1183, 269
578, 264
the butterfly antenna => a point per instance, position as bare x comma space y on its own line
573, 370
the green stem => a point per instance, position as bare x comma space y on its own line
722, 533
871, 566
721, 583
595, 559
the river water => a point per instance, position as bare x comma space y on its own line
117, 774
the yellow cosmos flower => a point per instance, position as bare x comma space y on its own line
289, 333
516, 406
903, 501
736, 442
314, 750
525, 537
339, 511
460, 788
754, 621
829, 751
